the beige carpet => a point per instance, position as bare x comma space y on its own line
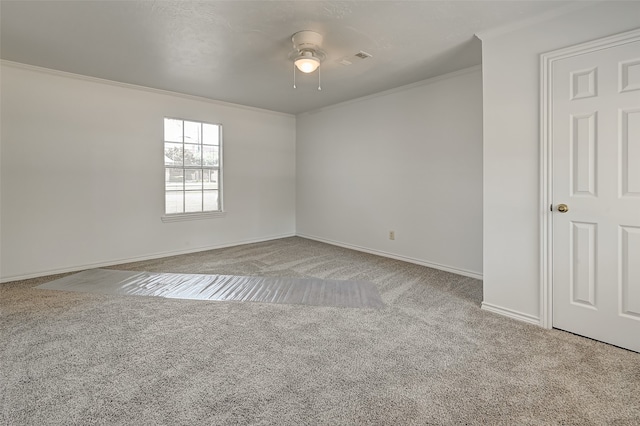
431, 356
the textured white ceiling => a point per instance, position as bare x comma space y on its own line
236, 51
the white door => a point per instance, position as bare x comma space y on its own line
596, 174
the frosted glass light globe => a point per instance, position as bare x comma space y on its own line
307, 63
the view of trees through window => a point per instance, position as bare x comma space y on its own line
192, 166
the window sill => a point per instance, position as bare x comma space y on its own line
191, 216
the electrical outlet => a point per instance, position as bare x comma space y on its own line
392, 235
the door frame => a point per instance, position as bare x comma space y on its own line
546, 158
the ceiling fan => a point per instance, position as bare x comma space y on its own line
307, 53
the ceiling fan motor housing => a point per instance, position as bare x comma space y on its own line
307, 40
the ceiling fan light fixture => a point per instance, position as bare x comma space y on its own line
307, 62
307, 54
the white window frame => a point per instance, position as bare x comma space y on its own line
173, 217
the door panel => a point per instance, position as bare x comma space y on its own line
630, 271
630, 152
596, 172
583, 263
583, 154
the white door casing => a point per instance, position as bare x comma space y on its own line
591, 162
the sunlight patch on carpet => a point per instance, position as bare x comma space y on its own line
298, 291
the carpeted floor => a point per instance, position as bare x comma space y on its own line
431, 356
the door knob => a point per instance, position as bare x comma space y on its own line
563, 208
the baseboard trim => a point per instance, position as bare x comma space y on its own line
438, 266
140, 258
510, 313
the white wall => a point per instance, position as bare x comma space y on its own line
407, 160
82, 174
511, 153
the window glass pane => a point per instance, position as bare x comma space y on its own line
172, 130
210, 179
193, 201
210, 155
210, 134
192, 132
174, 202
192, 155
211, 200
172, 154
173, 179
193, 179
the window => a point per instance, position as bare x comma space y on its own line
192, 167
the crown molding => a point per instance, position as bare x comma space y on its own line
74, 76
399, 89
